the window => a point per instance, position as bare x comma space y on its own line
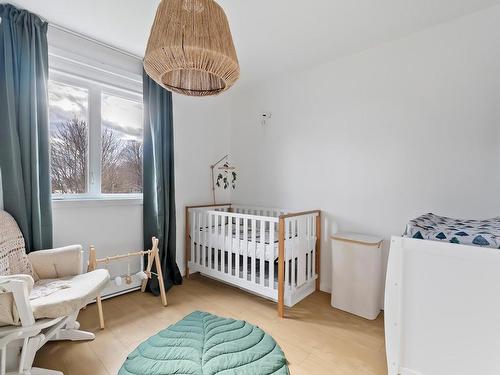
95, 139
68, 138
121, 145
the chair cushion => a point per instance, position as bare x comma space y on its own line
13, 258
83, 289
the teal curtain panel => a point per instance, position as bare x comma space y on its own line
159, 182
24, 124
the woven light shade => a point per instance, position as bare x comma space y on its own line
190, 49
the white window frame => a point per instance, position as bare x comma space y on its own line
95, 90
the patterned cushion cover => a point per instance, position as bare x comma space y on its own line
13, 258
484, 233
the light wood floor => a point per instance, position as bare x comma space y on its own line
316, 338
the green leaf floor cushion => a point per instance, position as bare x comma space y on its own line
205, 344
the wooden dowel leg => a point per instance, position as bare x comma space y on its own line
92, 266
160, 279
148, 272
101, 313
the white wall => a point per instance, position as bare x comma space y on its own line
201, 137
372, 139
380, 137
113, 227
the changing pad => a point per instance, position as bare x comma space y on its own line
484, 233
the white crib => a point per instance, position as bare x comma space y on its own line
269, 252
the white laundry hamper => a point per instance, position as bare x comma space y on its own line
357, 274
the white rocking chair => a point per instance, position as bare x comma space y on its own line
19, 344
26, 325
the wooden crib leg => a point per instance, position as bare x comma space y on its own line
281, 269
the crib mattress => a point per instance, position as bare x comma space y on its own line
269, 252
235, 243
249, 233
484, 233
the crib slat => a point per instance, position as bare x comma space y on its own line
230, 249
293, 262
195, 235
193, 230
307, 250
273, 255
210, 237
245, 249
199, 228
204, 240
254, 249
295, 253
262, 252
223, 244
311, 247
287, 251
300, 246
217, 246
199, 232
237, 248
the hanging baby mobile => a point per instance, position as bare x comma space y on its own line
226, 175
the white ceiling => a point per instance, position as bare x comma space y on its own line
271, 36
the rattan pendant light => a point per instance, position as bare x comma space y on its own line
190, 49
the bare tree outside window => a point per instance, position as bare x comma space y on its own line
68, 138
68, 157
121, 164
121, 142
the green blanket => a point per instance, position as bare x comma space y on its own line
205, 344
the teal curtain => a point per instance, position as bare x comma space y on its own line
24, 124
159, 183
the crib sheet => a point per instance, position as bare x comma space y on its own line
238, 245
242, 233
484, 233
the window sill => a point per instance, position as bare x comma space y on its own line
96, 202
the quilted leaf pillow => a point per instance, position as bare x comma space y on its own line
13, 258
206, 344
